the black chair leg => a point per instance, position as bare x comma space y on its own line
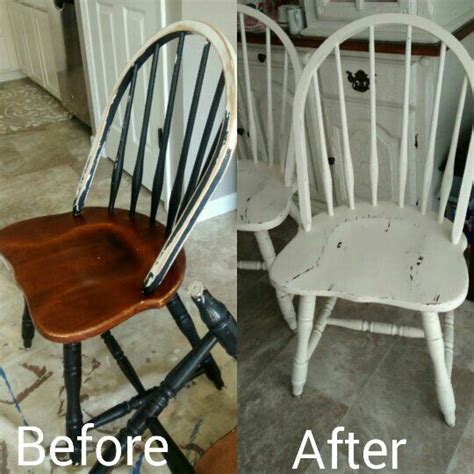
27, 328
72, 383
176, 460
122, 361
182, 318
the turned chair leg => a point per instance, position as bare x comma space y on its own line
27, 328
284, 300
444, 389
185, 323
449, 341
72, 383
122, 361
305, 325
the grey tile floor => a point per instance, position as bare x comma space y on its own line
39, 172
375, 386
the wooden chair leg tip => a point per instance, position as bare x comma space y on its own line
27, 344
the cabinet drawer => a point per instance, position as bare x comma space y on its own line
389, 79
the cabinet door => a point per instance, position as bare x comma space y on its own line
32, 44
18, 18
388, 147
48, 64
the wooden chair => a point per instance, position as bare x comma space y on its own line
83, 273
381, 252
265, 168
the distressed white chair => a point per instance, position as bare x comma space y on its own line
381, 252
265, 166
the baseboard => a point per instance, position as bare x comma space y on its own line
219, 206
11, 75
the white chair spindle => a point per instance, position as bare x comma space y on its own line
464, 193
428, 174
403, 159
270, 133
348, 168
249, 96
449, 169
326, 172
282, 132
374, 160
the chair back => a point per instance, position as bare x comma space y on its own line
266, 138
309, 78
195, 179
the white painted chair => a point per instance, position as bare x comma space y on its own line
381, 252
265, 166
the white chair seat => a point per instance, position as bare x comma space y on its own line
263, 199
384, 254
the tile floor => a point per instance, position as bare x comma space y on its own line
375, 386
39, 172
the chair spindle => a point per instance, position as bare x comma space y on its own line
449, 169
160, 165
464, 194
428, 175
270, 133
195, 173
403, 159
138, 170
176, 192
326, 171
348, 168
118, 165
374, 160
282, 147
248, 90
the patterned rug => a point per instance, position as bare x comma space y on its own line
25, 105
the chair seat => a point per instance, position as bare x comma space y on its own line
381, 254
82, 275
221, 457
263, 200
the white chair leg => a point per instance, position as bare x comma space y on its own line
284, 300
306, 309
250, 265
321, 323
444, 389
449, 341
295, 213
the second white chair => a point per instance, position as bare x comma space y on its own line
265, 167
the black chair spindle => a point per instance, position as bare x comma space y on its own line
177, 189
193, 180
160, 165
118, 165
138, 170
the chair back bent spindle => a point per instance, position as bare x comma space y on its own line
310, 78
270, 142
195, 180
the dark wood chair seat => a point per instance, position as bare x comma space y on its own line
221, 457
82, 275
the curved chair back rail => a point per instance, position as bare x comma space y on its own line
309, 76
188, 197
273, 135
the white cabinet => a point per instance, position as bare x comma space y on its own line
18, 23
34, 45
8, 59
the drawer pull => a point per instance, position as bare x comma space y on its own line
360, 81
262, 57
